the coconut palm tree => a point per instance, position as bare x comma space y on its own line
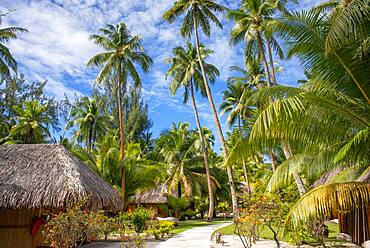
177, 146
199, 14
326, 119
7, 62
232, 99
117, 64
105, 160
185, 72
90, 121
249, 22
32, 123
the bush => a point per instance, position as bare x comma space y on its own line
74, 225
137, 218
266, 210
160, 227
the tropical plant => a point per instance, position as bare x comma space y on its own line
185, 72
322, 201
178, 149
249, 22
91, 122
7, 62
232, 101
117, 63
32, 122
199, 14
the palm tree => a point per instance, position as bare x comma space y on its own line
232, 99
178, 148
185, 72
327, 119
251, 76
249, 23
32, 123
90, 121
121, 52
7, 62
105, 160
199, 13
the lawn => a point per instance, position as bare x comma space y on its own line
188, 224
267, 234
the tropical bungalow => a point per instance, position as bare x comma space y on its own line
155, 199
356, 221
38, 179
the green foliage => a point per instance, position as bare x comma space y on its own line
75, 225
13, 96
138, 218
265, 210
160, 227
7, 63
176, 205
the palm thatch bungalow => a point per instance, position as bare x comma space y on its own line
355, 222
38, 178
154, 199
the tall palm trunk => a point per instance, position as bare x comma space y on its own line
122, 141
263, 57
297, 178
204, 151
217, 122
271, 61
273, 160
243, 160
89, 145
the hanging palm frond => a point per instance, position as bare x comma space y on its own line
322, 201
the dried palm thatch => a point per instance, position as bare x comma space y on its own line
156, 195
49, 176
323, 200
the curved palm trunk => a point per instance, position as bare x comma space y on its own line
297, 178
206, 165
273, 160
271, 61
245, 170
122, 141
217, 122
263, 57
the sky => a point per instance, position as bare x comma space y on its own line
57, 47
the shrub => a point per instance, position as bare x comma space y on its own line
266, 210
160, 227
137, 218
74, 225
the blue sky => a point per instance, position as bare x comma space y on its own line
57, 49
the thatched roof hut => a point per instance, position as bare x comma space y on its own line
39, 177
154, 198
48, 175
151, 196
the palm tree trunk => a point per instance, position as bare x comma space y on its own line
90, 138
205, 158
243, 160
217, 122
273, 160
271, 61
263, 57
122, 141
297, 178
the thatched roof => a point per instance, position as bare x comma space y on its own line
48, 175
156, 195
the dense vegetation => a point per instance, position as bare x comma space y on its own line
307, 145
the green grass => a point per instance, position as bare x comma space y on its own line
188, 224
267, 234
